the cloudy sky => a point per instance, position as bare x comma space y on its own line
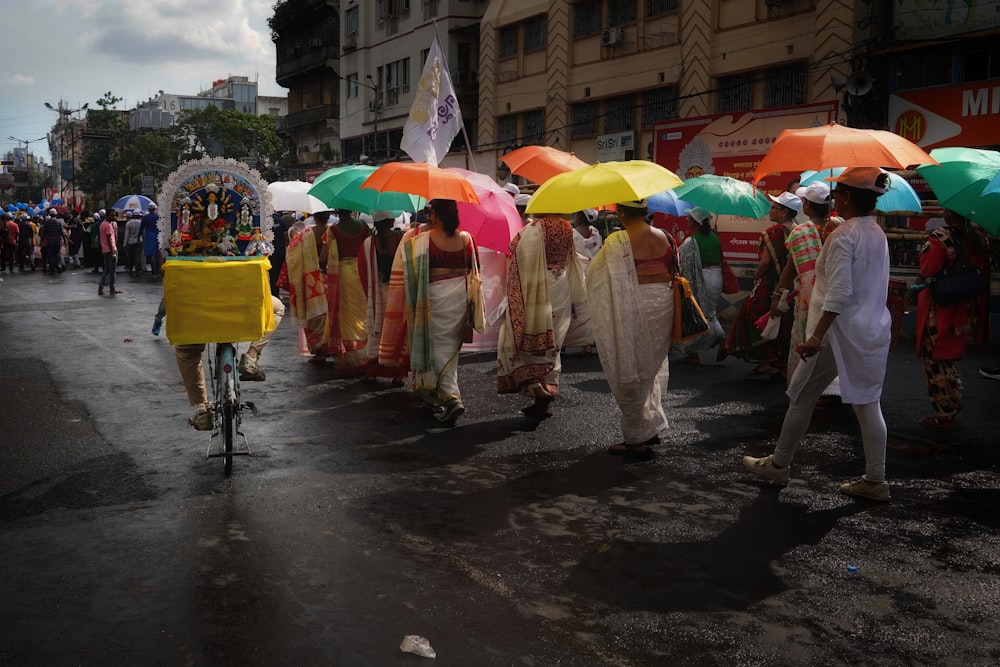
77, 50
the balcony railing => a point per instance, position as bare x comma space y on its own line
298, 61
306, 117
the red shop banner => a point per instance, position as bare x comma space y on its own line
966, 115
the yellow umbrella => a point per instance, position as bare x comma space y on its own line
600, 184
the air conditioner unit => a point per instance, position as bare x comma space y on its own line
611, 36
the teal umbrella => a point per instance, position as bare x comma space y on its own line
959, 180
340, 187
900, 197
723, 195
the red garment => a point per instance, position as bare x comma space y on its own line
348, 246
960, 322
12, 232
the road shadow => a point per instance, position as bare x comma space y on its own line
470, 510
729, 572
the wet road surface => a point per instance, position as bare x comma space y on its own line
360, 519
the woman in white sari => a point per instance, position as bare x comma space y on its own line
441, 280
629, 286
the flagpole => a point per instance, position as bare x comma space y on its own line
468, 144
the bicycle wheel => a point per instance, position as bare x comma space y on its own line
228, 429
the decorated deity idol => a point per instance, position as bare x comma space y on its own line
258, 245
228, 246
184, 224
244, 224
212, 209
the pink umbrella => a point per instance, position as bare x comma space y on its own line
494, 221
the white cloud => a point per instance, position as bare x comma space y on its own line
20, 80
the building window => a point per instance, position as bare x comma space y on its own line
534, 126
621, 12
584, 117
351, 22
657, 7
507, 130
423, 58
534, 33
659, 104
430, 9
392, 9
352, 85
586, 18
397, 80
619, 114
508, 41
785, 86
733, 93
932, 67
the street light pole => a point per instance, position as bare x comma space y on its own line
27, 143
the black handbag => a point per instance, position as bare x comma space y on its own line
959, 282
689, 320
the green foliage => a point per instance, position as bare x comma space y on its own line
228, 133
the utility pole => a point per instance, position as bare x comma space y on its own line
58, 166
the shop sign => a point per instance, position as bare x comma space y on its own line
966, 115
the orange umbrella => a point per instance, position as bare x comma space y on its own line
833, 145
420, 178
540, 163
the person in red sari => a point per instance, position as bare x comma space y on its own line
944, 332
744, 340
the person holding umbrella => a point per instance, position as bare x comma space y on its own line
544, 281
443, 293
944, 331
849, 331
701, 263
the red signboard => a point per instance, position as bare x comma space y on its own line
732, 145
966, 115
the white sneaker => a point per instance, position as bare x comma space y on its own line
765, 467
862, 488
452, 411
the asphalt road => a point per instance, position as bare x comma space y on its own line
359, 519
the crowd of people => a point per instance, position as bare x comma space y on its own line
385, 303
60, 238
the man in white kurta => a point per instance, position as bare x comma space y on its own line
849, 334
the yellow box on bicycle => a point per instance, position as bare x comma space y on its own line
216, 299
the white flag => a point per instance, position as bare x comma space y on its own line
435, 118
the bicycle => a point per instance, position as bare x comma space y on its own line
227, 405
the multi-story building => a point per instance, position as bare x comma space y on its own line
307, 37
384, 46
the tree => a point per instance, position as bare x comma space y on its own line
229, 133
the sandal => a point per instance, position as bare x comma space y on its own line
622, 449
939, 423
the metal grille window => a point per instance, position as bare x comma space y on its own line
584, 120
430, 9
351, 21
733, 93
534, 126
508, 41
586, 18
619, 114
657, 7
534, 33
785, 86
621, 12
659, 104
506, 130
397, 80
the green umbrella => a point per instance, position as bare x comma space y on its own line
340, 187
959, 180
723, 195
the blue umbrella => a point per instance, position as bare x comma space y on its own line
900, 197
669, 203
132, 203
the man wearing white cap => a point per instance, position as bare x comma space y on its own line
849, 334
512, 189
586, 238
803, 242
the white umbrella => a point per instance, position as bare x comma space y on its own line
294, 196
